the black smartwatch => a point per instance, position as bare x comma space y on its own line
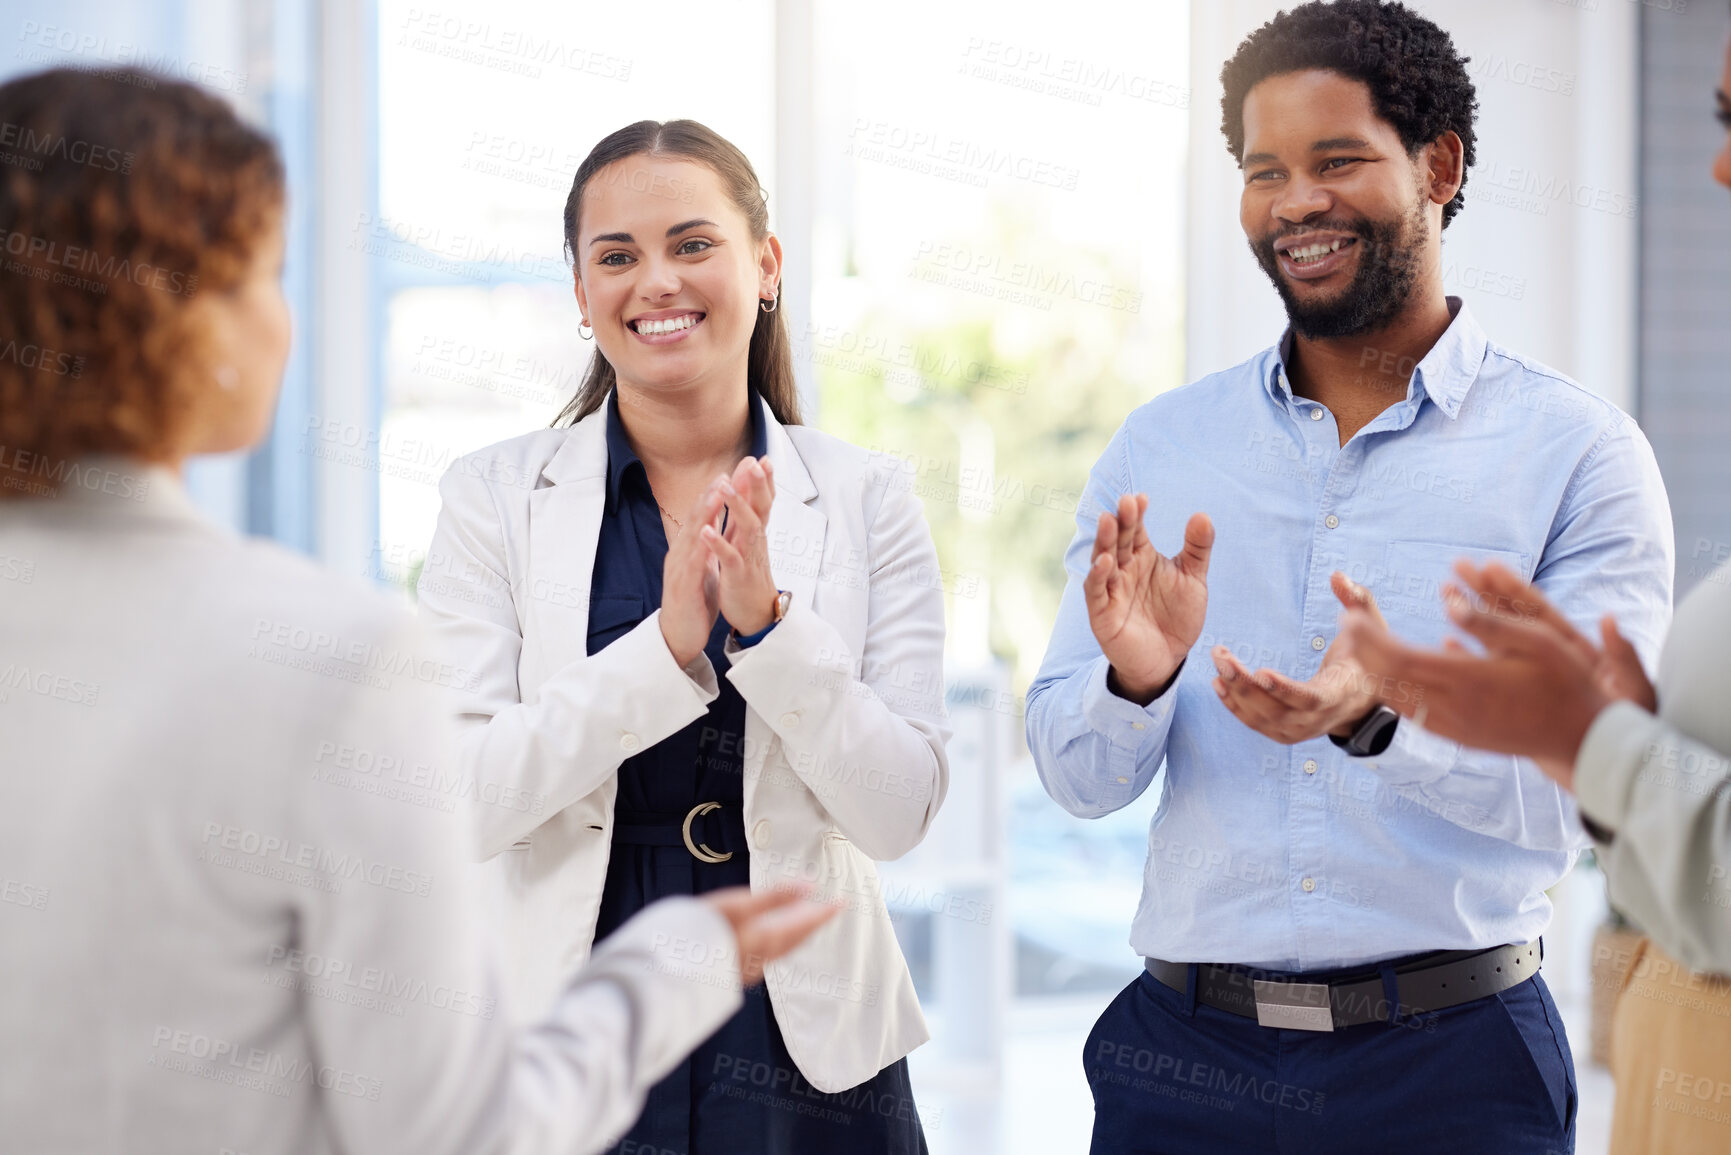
1372, 735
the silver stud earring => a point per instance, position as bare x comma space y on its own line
770, 305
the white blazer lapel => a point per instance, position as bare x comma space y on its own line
796, 526
795, 538
564, 527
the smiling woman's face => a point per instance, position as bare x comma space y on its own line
669, 275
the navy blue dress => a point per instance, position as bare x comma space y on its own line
739, 1092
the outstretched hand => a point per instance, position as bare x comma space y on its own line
1333, 701
1615, 663
767, 925
1535, 690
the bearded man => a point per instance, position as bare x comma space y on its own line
1340, 911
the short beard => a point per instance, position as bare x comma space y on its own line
1388, 264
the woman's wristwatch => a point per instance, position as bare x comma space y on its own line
783, 602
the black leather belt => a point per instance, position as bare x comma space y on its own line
710, 832
1424, 983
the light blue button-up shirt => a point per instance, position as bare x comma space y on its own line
1303, 857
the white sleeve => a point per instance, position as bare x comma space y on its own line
403, 925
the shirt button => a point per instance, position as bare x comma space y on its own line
1138, 725
1309, 885
1316, 413
1310, 765
1331, 521
790, 720
1317, 642
630, 743
760, 834
1122, 781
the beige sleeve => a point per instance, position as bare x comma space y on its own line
1666, 799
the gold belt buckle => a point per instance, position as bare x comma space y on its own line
698, 850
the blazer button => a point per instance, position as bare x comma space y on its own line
790, 720
760, 834
630, 742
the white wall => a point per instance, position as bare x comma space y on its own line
1557, 115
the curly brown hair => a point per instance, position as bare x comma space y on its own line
1418, 81
122, 195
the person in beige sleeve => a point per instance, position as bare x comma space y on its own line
226, 921
1647, 766
1651, 770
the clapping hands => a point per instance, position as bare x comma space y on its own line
718, 563
741, 550
1332, 701
1534, 691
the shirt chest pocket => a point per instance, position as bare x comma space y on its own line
1410, 592
611, 617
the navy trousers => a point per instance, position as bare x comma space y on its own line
1172, 1077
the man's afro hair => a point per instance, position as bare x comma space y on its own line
1418, 82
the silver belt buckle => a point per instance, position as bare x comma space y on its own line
1294, 1006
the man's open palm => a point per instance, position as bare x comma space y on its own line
1146, 609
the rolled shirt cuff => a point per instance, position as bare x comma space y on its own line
746, 641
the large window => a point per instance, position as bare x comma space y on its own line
998, 280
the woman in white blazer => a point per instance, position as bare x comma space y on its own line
707, 651
229, 921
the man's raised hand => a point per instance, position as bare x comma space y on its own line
1146, 609
1335, 699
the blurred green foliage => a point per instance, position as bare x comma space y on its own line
1039, 344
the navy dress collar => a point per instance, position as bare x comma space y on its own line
623, 460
